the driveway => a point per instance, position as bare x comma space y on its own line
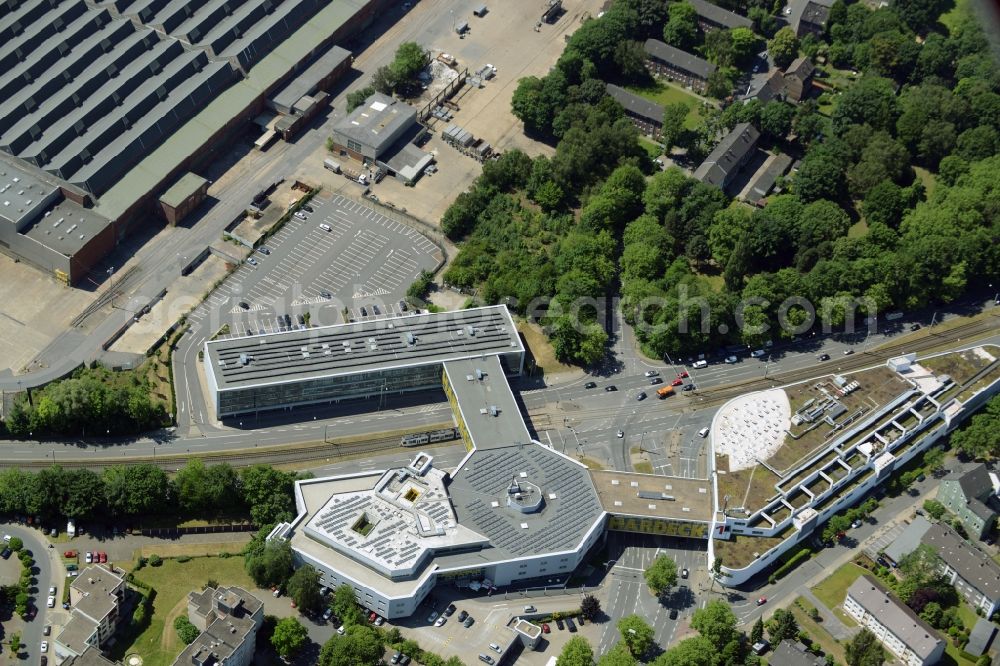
49, 572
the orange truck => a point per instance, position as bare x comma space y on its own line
665, 391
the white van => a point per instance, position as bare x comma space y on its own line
699, 364
71, 528
325, 227
703, 432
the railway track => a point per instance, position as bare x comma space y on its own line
237, 458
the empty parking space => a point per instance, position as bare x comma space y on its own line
340, 254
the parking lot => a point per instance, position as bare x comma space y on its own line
341, 255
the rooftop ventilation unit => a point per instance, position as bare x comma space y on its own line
411, 339
471, 329
494, 411
479, 374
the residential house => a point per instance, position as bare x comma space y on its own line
798, 79
229, 618
735, 150
766, 177
898, 628
644, 114
95, 597
793, 653
981, 637
907, 541
973, 573
90, 657
967, 495
713, 17
808, 16
668, 61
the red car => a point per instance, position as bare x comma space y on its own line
683, 374
677, 382
103, 556
371, 618
69, 553
545, 629
762, 601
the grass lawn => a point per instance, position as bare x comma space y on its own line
927, 178
817, 632
541, 348
643, 467
663, 94
858, 229
159, 644
951, 18
590, 463
652, 148
833, 590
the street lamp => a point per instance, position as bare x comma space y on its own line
111, 278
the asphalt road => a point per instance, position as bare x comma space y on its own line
31, 635
626, 590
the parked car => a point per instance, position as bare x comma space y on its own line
251, 261
570, 624
430, 618
651, 373
684, 573
52, 590
559, 624
546, 629
468, 622
307, 208
263, 249
44, 646
440, 621
450, 610
683, 374
688, 387
403, 307
379, 620
244, 305
103, 556
299, 214
6, 553
915, 327
732, 359
47, 630
462, 616
655, 380
341, 630
677, 382
88, 558
327, 614
50, 602
372, 616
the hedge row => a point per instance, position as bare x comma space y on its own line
793, 561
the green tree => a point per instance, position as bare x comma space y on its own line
776, 119
783, 47
872, 100
268, 562
185, 630
590, 607
617, 656
716, 622
411, 59
270, 494
289, 637
576, 652
744, 44
15, 544
345, 606
864, 650
304, 588
884, 204
661, 575
358, 97
681, 29
362, 645
757, 632
781, 626
636, 634
695, 651
674, 116
132, 490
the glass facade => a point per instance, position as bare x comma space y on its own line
362, 385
